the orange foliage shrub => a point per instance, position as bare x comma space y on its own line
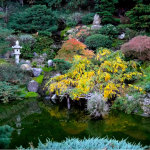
73, 47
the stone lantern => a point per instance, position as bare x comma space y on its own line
17, 53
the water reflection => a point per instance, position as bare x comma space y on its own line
38, 121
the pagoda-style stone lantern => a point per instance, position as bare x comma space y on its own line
17, 53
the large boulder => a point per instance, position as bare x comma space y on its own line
33, 86
26, 67
138, 48
36, 71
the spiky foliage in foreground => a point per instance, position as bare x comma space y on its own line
5, 133
86, 144
109, 76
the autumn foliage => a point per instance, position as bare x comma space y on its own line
138, 47
74, 47
107, 77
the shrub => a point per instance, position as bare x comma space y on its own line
61, 65
71, 48
88, 18
139, 17
40, 45
8, 92
4, 45
74, 19
27, 39
97, 106
137, 49
98, 40
11, 39
43, 44
128, 106
107, 9
86, 144
13, 74
5, 134
147, 87
109, 30
107, 77
34, 19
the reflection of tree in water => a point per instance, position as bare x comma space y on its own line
72, 122
22, 110
120, 124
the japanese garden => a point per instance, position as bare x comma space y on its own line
74, 74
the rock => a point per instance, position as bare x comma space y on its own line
39, 61
28, 62
95, 27
53, 98
97, 20
121, 36
26, 67
130, 98
35, 54
50, 63
47, 98
148, 95
44, 55
55, 75
33, 86
36, 71
70, 31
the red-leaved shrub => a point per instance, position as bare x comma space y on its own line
138, 47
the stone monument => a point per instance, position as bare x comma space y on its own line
96, 22
17, 53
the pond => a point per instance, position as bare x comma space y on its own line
33, 120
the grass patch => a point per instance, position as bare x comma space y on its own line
31, 95
3, 61
47, 69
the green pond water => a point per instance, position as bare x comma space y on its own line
33, 120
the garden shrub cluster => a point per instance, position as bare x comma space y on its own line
61, 65
139, 17
35, 19
98, 40
88, 18
11, 80
4, 45
109, 30
86, 144
109, 76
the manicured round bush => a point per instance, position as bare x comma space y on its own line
109, 30
138, 47
88, 18
98, 40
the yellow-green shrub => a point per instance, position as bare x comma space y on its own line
108, 78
